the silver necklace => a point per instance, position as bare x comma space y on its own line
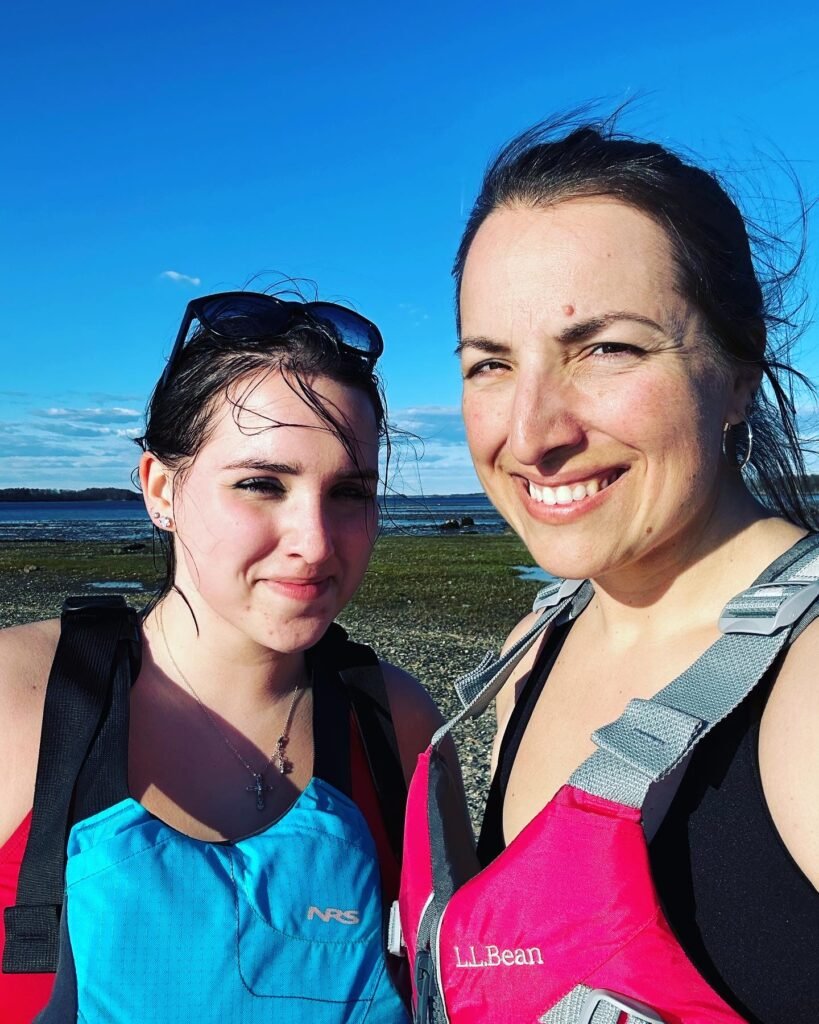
279, 756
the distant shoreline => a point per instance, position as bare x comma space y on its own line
31, 494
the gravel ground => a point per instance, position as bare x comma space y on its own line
437, 657
432, 605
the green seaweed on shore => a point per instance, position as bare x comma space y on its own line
433, 604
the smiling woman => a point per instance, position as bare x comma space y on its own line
651, 831
626, 384
239, 755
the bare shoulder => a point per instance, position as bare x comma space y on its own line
789, 753
415, 714
26, 653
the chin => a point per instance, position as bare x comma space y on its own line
568, 562
296, 637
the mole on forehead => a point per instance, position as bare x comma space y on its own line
568, 309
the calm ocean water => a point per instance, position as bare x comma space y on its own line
127, 521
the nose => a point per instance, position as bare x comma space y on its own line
310, 535
545, 427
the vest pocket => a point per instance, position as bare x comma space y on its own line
313, 934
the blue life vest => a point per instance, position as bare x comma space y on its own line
286, 924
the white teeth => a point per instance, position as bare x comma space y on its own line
566, 494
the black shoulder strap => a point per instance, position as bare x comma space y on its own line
95, 661
358, 666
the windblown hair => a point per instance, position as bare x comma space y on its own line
727, 267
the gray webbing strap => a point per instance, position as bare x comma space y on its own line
584, 1005
652, 736
472, 683
481, 685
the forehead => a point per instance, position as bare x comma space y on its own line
268, 413
590, 254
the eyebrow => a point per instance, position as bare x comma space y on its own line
296, 468
573, 333
284, 468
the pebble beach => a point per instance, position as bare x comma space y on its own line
432, 605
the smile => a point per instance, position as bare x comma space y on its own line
567, 494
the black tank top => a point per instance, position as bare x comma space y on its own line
740, 906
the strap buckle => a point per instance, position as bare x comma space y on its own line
768, 607
552, 594
395, 933
602, 1002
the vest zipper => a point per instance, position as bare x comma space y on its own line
436, 954
423, 986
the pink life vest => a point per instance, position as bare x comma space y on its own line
565, 927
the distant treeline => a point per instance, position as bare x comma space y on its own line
54, 494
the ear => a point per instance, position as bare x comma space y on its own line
156, 481
746, 381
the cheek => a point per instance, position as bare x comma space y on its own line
217, 529
487, 416
354, 546
686, 428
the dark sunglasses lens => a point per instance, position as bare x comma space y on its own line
239, 316
353, 330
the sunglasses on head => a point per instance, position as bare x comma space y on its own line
248, 315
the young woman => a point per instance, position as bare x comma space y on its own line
229, 857
626, 414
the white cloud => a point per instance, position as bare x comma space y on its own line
440, 422
434, 459
113, 414
64, 446
174, 275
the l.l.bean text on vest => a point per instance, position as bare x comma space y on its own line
494, 956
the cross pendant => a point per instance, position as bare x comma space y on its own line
259, 788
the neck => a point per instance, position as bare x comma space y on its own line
224, 667
689, 580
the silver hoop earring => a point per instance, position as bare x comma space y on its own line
163, 521
749, 447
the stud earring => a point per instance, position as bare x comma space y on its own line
163, 521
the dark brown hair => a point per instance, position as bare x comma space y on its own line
731, 276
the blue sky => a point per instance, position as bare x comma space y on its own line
338, 142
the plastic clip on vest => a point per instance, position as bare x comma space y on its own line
565, 926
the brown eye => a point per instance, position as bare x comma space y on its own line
354, 493
261, 485
487, 366
616, 348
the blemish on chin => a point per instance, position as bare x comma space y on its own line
649, 531
568, 309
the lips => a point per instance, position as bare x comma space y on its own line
567, 494
300, 588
